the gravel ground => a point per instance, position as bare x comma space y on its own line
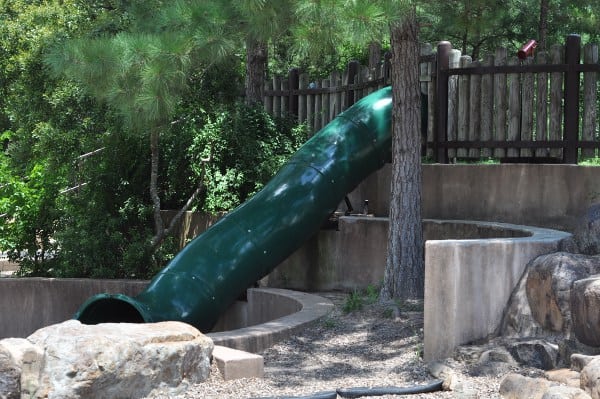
375, 346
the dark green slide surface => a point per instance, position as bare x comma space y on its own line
207, 276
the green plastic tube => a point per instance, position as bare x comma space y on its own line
207, 276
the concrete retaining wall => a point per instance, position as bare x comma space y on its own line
552, 196
27, 304
468, 284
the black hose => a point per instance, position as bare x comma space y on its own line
319, 395
433, 386
380, 391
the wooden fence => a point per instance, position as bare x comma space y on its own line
317, 102
541, 109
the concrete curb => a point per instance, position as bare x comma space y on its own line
259, 337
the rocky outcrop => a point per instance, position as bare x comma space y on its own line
113, 360
549, 285
540, 305
585, 303
516, 386
587, 232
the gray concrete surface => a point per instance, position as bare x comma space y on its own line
354, 256
468, 284
27, 304
256, 338
553, 196
268, 315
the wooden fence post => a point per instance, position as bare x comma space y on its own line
293, 85
440, 153
571, 133
353, 68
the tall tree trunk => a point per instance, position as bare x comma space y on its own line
543, 24
404, 273
256, 65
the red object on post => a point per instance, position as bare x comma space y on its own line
527, 49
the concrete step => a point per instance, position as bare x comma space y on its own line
234, 364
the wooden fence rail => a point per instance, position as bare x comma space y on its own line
541, 109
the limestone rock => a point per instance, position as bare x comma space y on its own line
535, 353
590, 378
585, 302
564, 376
29, 358
587, 232
10, 376
119, 360
444, 373
493, 362
565, 392
579, 361
549, 285
516, 386
518, 320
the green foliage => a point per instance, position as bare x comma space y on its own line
354, 302
372, 293
246, 147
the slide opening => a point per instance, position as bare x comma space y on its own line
109, 310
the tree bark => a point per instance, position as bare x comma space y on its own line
543, 24
256, 65
404, 273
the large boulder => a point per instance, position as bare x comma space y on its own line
590, 378
516, 386
10, 376
549, 283
536, 353
585, 303
119, 360
587, 232
27, 359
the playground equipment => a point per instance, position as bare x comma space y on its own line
217, 266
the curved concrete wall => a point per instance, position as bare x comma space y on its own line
468, 284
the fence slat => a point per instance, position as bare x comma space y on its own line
285, 100
454, 61
527, 108
338, 95
474, 111
500, 101
571, 99
325, 104
462, 132
276, 98
302, 98
514, 108
556, 96
268, 99
317, 115
541, 120
310, 110
487, 106
590, 103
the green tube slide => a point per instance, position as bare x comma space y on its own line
211, 272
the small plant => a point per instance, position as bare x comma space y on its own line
409, 305
354, 302
372, 293
388, 313
329, 323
